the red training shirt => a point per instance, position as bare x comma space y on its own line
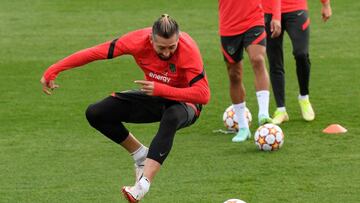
181, 78
238, 16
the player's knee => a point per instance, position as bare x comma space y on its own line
92, 114
301, 56
276, 69
257, 60
234, 75
174, 116
173, 120
235, 79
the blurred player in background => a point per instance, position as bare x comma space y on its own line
241, 25
174, 88
295, 21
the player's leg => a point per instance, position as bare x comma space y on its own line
237, 89
255, 43
107, 116
298, 30
232, 48
176, 116
274, 50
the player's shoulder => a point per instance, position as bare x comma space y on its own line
135, 40
186, 39
189, 51
138, 34
141, 32
187, 44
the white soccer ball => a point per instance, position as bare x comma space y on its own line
234, 201
230, 118
269, 137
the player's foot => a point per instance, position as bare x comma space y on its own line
306, 109
126, 190
264, 119
242, 135
280, 117
139, 170
135, 193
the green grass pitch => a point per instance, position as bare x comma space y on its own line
48, 152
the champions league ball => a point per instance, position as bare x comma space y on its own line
230, 119
269, 137
234, 201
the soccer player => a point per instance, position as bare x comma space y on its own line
174, 88
295, 21
241, 25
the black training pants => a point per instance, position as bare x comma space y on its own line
108, 115
296, 24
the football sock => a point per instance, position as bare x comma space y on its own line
240, 114
302, 97
263, 102
140, 154
281, 109
144, 183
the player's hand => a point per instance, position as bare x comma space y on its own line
147, 86
326, 12
48, 86
275, 28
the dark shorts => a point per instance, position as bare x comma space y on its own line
146, 109
233, 46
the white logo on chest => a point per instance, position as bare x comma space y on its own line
159, 77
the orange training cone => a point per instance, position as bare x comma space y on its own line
334, 129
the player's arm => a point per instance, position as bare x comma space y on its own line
106, 50
326, 11
198, 91
275, 24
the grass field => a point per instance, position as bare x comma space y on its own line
48, 152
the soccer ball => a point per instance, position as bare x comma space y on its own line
230, 119
269, 137
234, 201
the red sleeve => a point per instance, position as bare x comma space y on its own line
106, 50
198, 91
276, 9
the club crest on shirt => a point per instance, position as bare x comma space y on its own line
172, 68
231, 50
